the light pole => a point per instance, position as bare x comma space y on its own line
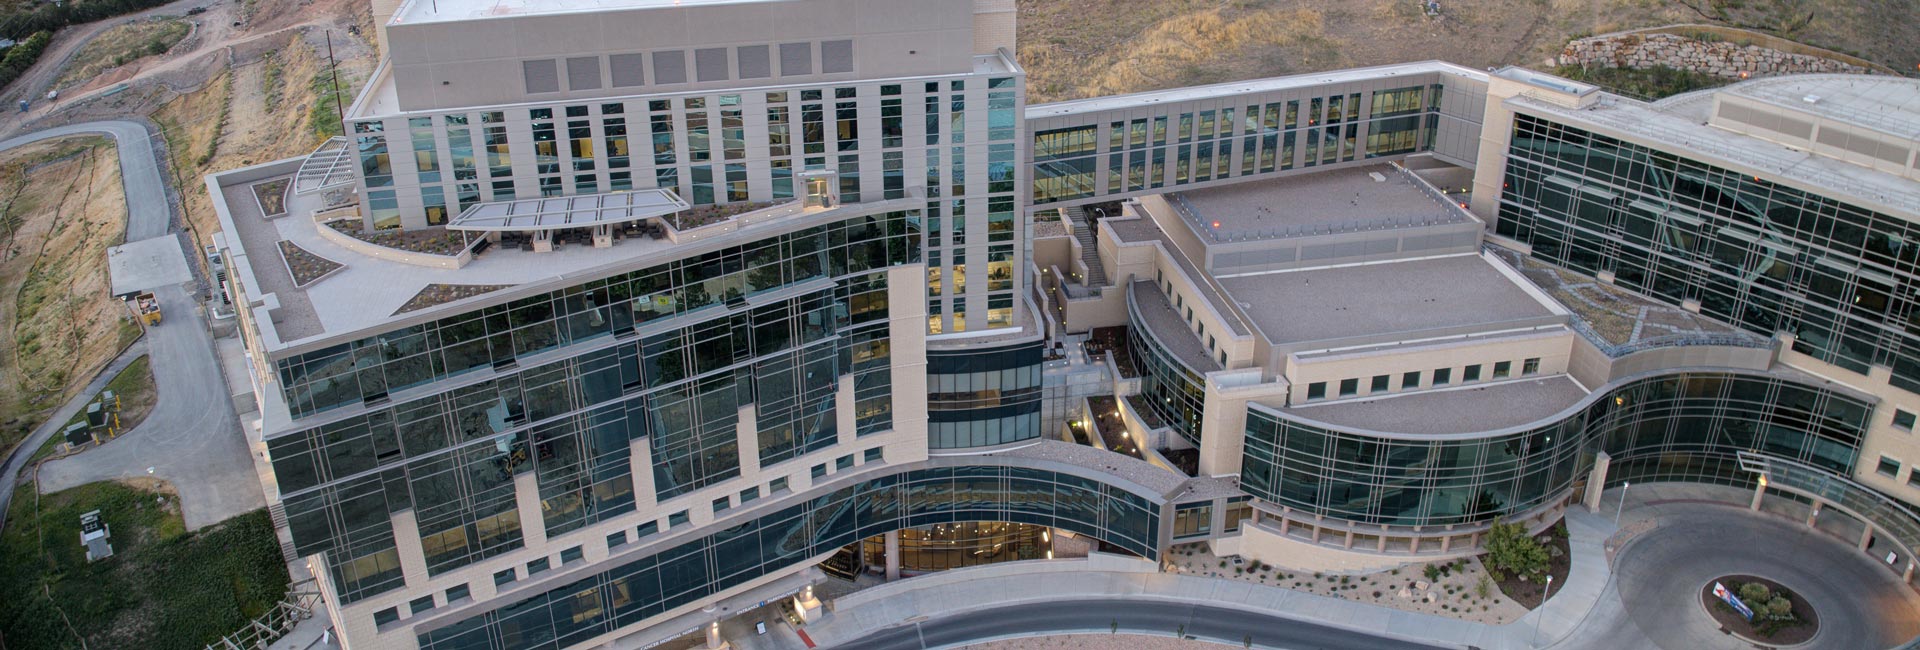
1623, 503
1542, 611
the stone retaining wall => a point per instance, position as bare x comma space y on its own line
1718, 58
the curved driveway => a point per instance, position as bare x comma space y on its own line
148, 211
1231, 626
192, 438
1659, 575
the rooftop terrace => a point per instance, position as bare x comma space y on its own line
366, 290
1618, 321
1340, 200
1471, 409
1368, 300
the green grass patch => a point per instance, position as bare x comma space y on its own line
164, 588
1648, 84
327, 102
133, 387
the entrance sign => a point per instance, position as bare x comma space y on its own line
1721, 591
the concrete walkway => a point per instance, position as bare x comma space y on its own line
1689, 528
955, 592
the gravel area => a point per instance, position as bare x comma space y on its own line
1455, 594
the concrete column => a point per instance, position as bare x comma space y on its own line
526, 496
1866, 538
1907, 576
1316, 534
1759, 492
1381, 546
1415, 545
1285, 524
1349, 543
1446, 543
1597, 481
893, 555
1813, 513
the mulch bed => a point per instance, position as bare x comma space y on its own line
1529, 593
440, 294
432, 241
306, 266
273, 196
1794, 633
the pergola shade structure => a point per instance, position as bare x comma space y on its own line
547, 214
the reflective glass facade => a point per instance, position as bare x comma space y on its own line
983, 397
678, 382
1231, 141
1762, 256
496, 337
641, 586
1679, 427
1175, 392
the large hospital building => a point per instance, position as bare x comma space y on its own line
605, 315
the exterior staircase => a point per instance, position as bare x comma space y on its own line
1089, 248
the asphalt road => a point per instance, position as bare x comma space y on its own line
192, 438
1231, 626
148, 214
1659, 576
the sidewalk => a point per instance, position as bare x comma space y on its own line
17, 460
858, 615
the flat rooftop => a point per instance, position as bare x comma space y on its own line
425, 11
1140, 230
1338, 200
1465, 410
1678, 123
1883, 103
1370, 300
1169, 328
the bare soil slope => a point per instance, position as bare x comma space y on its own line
1135, 46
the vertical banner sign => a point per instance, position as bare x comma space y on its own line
1721, 591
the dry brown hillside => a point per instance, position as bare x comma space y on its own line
1083, 48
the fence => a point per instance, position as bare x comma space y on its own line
276, 623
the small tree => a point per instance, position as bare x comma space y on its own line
1780, 608
1484, 587
1433, 573
1755, 594
1511, 550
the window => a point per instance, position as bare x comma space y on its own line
721, 504
1502, 369
1902, 420
1380, 383
777, 486
749, 494
571, 555
1349, 387
820, 470
1410, 380
535, 567
1239, 509
1889, 467
1530, 367
871, 455
843, 462
1913, 479
1317, 390
1192, 519
419, 605
1470, 373
458, 592
646, 530
616, 540
386, 616
503, 577
1442, 376
678, 519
